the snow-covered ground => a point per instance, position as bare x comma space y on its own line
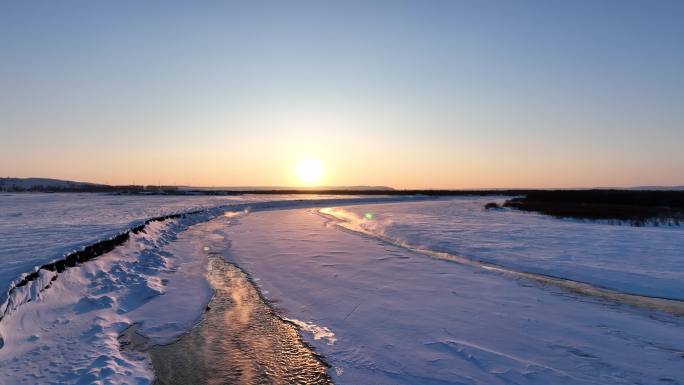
637, 260
69, 333
65, 331
381, 314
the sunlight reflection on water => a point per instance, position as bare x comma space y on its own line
240, 341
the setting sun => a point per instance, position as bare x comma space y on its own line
309, 170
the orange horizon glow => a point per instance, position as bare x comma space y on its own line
351, 157
409, 96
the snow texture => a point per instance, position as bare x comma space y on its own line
644, 261
399, 317
378, 312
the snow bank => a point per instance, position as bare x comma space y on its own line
48, 231
36, 229
69, 333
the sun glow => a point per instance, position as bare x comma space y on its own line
309, 170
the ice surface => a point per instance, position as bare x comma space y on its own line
66, 330
636, 260
399, 317
38, 228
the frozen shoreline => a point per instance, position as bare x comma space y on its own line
156, 279
28, 286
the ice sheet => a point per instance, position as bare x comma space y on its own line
397, 317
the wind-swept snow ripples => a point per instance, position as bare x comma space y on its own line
439, 229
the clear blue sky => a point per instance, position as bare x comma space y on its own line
402, 93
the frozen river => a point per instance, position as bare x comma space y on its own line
350, 274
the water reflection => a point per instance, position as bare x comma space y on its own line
241, 341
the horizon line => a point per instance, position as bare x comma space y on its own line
359, 187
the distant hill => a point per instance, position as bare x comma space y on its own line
44, 184
58, 185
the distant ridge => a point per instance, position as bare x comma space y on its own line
658, 188
59, 185
43, 184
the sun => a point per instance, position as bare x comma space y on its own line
309, 170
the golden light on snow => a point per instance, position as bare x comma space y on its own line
309, 170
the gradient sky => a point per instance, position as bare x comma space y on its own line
410, 94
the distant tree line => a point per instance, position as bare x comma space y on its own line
633, 206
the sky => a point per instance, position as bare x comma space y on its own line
408, 94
